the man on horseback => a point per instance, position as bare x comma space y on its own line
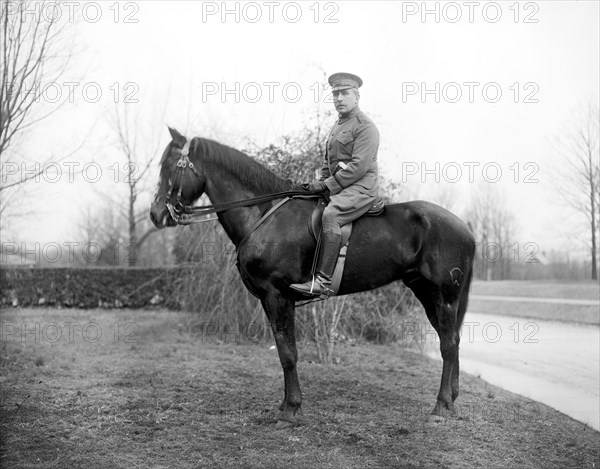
348, 176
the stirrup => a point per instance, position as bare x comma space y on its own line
324, 285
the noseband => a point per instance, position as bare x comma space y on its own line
183, 163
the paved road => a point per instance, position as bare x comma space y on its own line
552, 362
527, 299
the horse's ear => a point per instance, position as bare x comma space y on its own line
176, 136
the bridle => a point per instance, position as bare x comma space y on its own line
177, 211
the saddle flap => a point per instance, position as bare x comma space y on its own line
315, 222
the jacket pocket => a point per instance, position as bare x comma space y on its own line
345, 144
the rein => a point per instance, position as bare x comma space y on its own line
189, 213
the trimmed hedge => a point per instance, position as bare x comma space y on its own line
215, 294
110, 287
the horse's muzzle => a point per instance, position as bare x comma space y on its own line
160, 216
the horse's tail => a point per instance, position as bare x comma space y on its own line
463, 302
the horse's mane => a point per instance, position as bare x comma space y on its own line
248, 171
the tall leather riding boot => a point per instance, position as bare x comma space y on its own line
330, 249
321, 283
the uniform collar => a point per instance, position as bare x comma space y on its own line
345, 117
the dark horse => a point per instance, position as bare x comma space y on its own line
428, 248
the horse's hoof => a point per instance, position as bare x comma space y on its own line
281, 424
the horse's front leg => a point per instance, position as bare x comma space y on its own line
280, 311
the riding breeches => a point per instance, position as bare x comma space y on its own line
343, 208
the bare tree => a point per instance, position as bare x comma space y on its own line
503, 229
110, 249
138, 151
578, 175
88, 225
444, 194
494, 227
34, 51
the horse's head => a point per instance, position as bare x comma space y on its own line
180, 183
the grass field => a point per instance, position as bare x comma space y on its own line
148, 393
539, 310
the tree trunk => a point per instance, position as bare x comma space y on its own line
133, 246
593, 190
593, 222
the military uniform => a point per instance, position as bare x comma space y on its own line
349, 174
350, 168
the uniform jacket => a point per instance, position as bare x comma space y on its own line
354, 141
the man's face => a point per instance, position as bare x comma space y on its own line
345, 100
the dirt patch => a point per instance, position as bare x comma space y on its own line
162, 397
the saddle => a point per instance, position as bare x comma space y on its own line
315, 224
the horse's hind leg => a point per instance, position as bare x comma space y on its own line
280, 312
442, 314
460, 316
450, 339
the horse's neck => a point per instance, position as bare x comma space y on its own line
222, 187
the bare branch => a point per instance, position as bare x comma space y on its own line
35, 50
578, 174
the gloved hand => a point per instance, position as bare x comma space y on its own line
317, 187
304, 186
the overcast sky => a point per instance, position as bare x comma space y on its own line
461, 85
